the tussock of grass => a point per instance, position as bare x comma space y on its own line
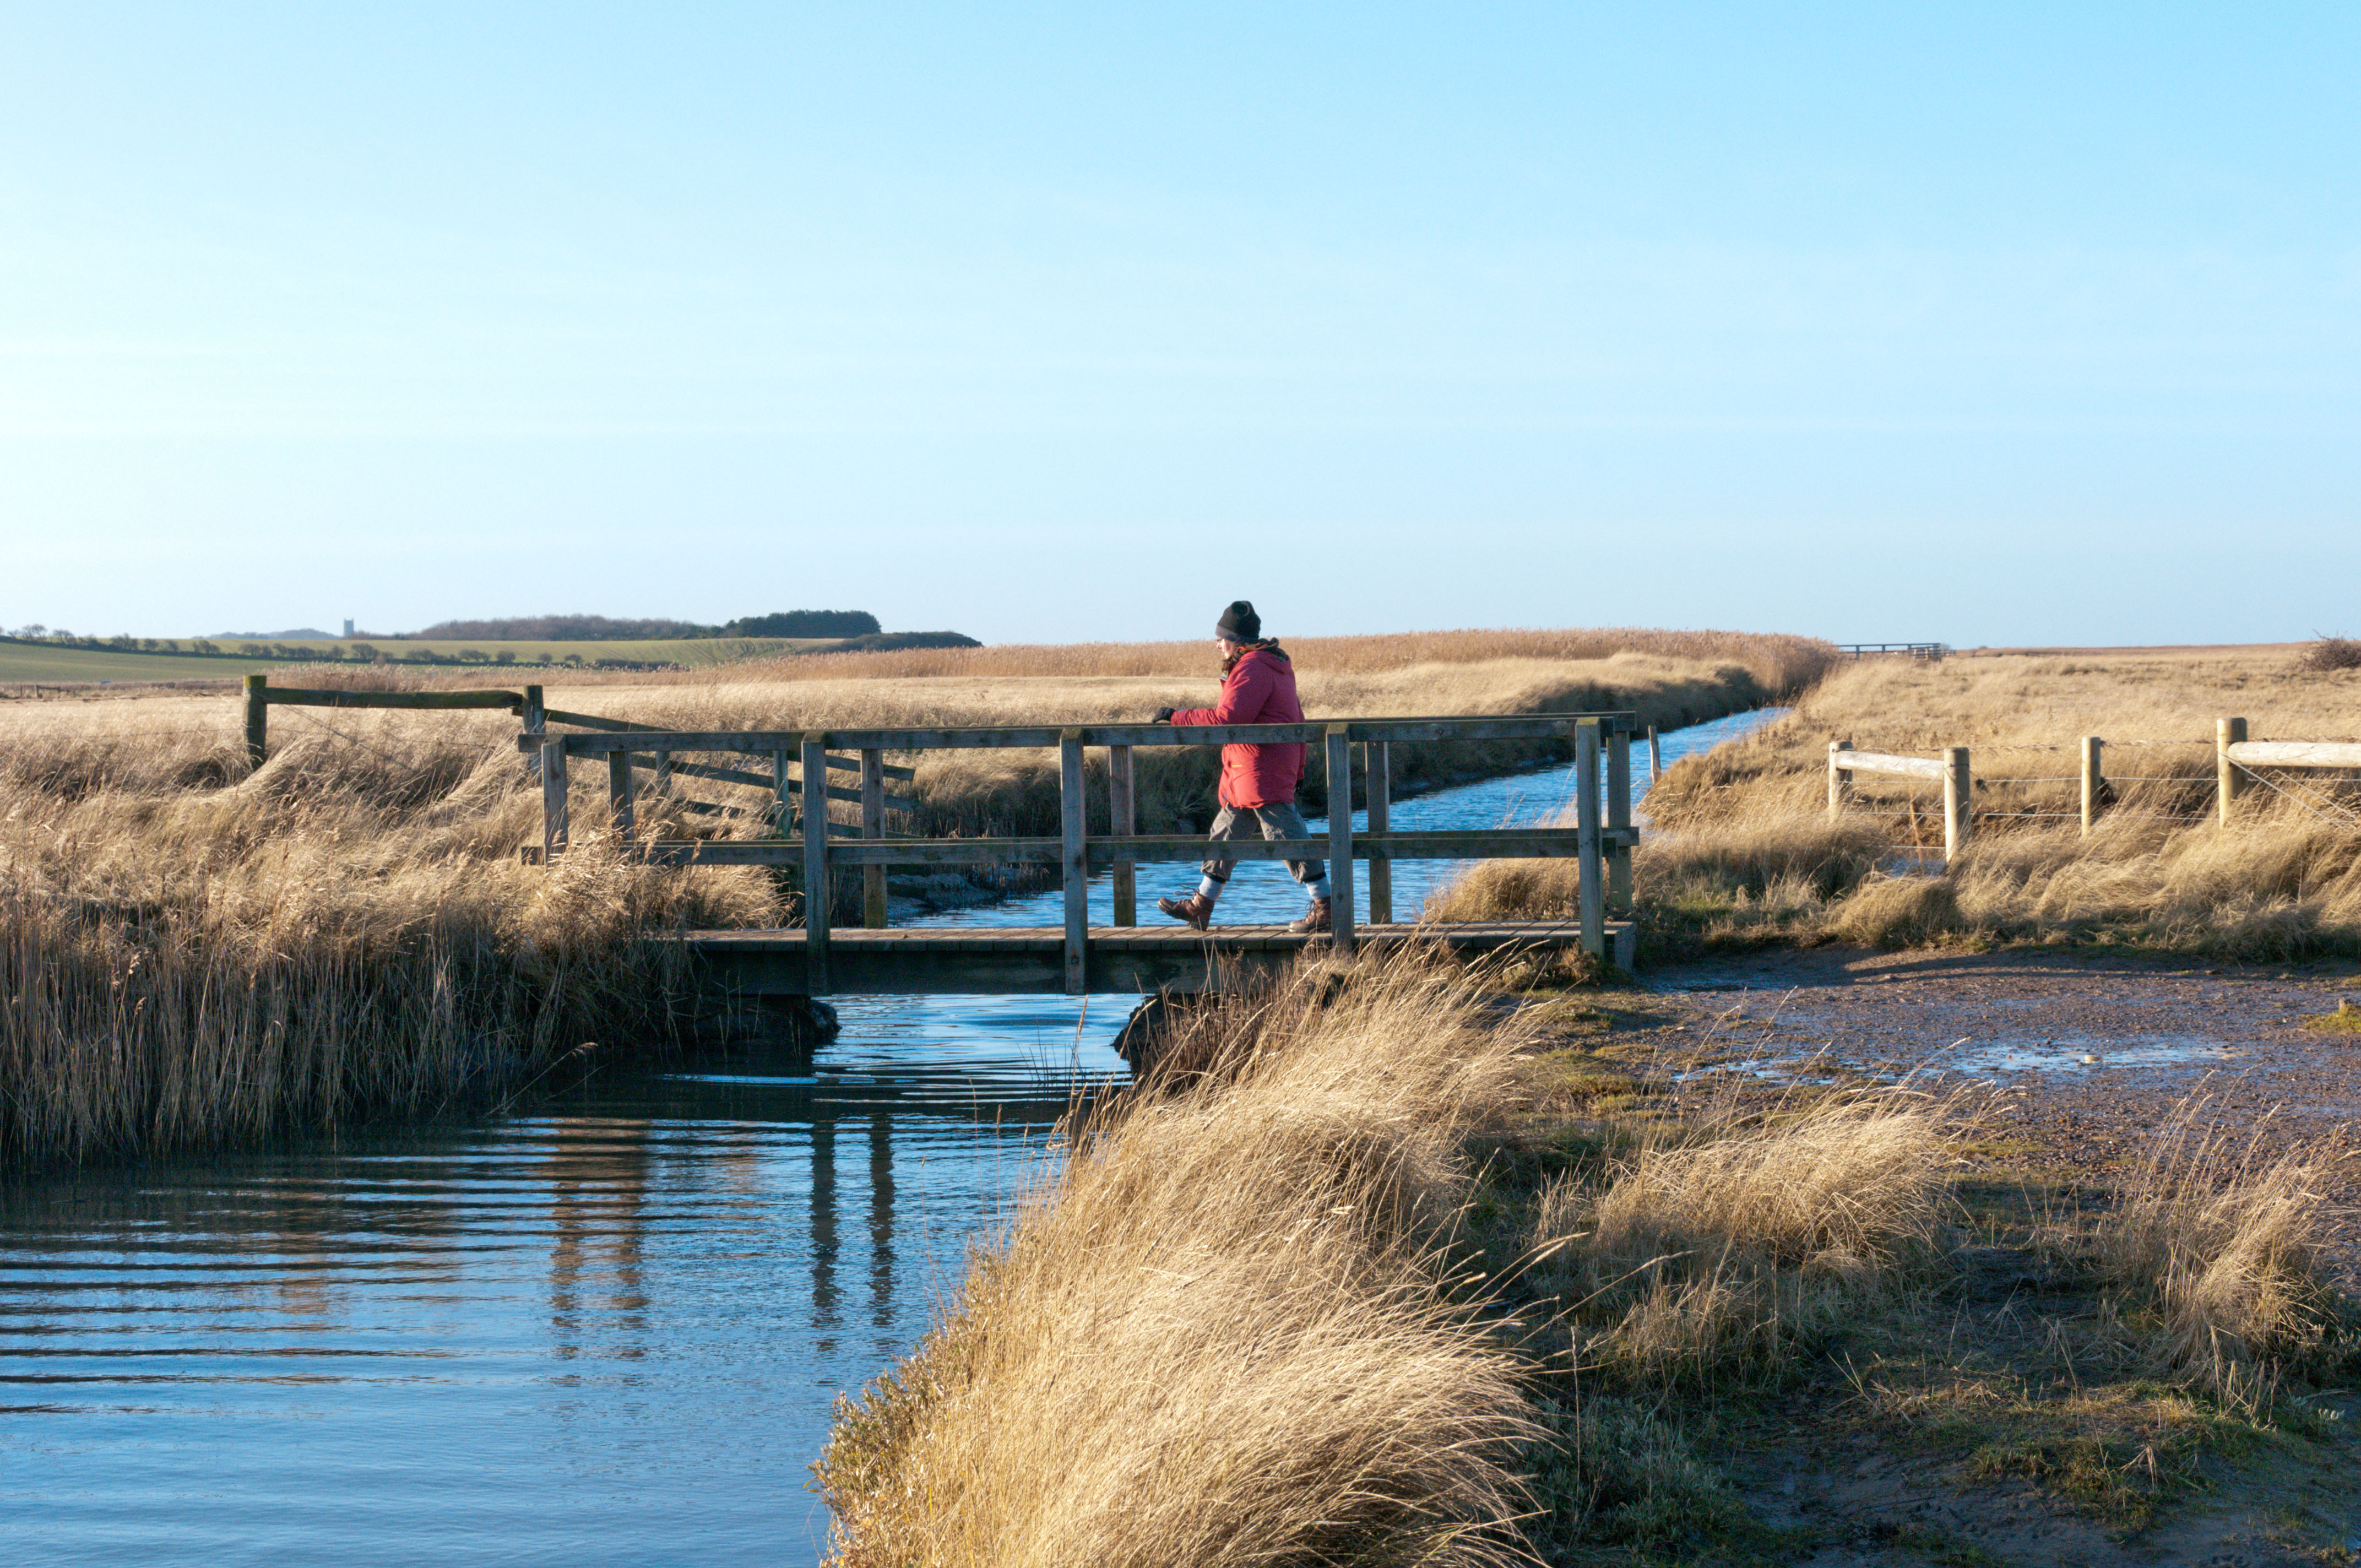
1218, 1337
2219, 1254
1706, 1251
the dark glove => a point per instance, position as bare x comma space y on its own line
1164, 715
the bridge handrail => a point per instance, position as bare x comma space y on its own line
1601, 839
1041, 737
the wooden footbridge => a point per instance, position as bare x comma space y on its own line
1078, 958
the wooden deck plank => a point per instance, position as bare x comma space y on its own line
997, 961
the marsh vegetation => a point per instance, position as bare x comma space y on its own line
1747, 851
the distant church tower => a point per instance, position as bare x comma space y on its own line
349, 626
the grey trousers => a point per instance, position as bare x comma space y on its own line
1281, 821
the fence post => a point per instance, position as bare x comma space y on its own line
1655, 755
1377, 762
1585, 819
815, 888
1958, 802
1839, 779
258, 719
552, 800
619, 793
1075, 857
782, 791
872, 825
1340, 839
1618, 819
1123, 821
2093, 780
2229, 783
663, 773
535, 715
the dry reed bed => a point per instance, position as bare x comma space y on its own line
1748, 851
343, 932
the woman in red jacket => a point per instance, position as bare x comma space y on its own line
1258, 782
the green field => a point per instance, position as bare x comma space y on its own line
32, 662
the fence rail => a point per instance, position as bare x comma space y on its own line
2239, 764
1601, 839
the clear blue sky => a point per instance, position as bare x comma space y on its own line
1994, 324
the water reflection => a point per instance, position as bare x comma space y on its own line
609, 1333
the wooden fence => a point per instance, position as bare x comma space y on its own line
1602, 837
2239, 766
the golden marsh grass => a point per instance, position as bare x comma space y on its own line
1745, 850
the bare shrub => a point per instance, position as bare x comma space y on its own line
1216, 1337
2332, 653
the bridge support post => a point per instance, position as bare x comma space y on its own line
815, 888
872, 825
1123, 821
1074, 858
1585, 821
1618, 819
1378, 765
1340, 839
552, 800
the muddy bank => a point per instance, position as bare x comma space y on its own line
2090, 1052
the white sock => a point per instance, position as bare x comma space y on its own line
1317, 889
1208, 889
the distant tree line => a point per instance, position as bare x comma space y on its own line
604, 629
360, 651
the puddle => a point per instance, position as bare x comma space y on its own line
2083, 1053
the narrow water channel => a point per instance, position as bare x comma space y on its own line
607, 1332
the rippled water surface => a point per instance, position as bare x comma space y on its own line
609, 1331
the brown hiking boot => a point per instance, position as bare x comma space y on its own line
1314, 918
1196, 909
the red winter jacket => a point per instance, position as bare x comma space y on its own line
1259, 689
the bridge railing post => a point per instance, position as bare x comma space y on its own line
1619, 820
1377, 770
1123, 821
619, 793
1074, 858
1839, 778
552, 800
535, 715
872, 825
1340, 839
257, 720
815, 887
1585, 818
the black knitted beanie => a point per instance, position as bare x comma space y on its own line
1239, 623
